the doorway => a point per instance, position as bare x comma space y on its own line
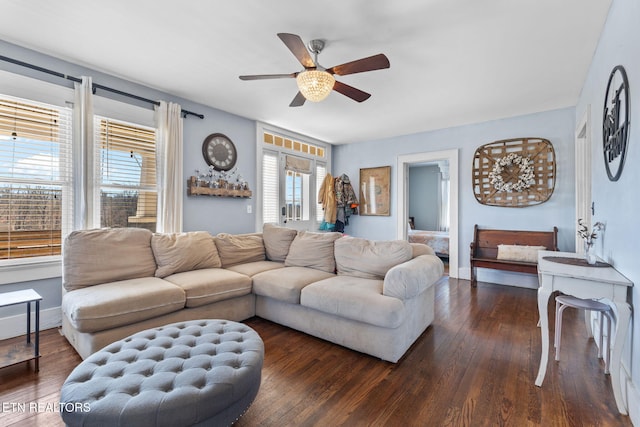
449, 216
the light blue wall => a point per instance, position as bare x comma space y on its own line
200, 213
617, 203
49, 289
216, 214
557, 126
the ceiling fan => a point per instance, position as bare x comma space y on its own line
315, 82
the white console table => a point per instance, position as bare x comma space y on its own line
584, 282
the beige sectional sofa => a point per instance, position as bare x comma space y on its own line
375, 297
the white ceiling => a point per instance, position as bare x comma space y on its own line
453, 62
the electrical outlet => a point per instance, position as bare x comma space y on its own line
249, 210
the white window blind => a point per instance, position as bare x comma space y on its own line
270, 193
35, 178
126, 175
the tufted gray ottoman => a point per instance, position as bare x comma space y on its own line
201, 372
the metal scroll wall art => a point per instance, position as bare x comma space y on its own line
615, 122
515, 173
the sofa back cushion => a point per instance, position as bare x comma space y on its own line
314, 250
239, 248
106, 255
370, 259
277, 241
178, 252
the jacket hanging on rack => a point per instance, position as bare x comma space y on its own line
327, 198
346, 201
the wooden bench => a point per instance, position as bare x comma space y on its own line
484, 249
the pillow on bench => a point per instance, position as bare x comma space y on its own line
519, 253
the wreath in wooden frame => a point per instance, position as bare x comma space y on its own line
525, 173
515, 172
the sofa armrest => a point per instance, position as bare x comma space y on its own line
421, 249
406, 280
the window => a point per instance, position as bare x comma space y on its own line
35, 178
39, 173
125, 174
292, 171
296, 196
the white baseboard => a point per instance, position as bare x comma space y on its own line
16, 326
520, 280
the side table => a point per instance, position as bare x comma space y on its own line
21, 353
586, 283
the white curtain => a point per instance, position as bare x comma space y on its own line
169, 167
83, 154
445, 183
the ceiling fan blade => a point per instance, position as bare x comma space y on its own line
298, 101
375, 62
351, 92
268, 76
297, 47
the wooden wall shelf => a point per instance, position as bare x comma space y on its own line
194, 190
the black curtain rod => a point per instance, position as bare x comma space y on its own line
95, 86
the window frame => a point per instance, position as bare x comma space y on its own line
99, 186
325, 161
45, 267
32, 89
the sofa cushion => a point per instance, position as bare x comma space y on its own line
314, 250
370, 259
354, 298
277, 241
239, 248
178, 252
252, 268
285, 284
115, 304
210, 285
85, 251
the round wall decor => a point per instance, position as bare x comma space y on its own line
514, 172
218, 151
615, 123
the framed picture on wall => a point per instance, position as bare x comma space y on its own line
375, 191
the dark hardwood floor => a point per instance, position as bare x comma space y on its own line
475, 366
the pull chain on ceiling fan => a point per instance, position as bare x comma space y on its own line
314, 82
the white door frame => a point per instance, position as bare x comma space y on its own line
583, 174
402, 179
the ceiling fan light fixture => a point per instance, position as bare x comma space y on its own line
315, 85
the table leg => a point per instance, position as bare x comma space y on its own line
28, 322
37, 347
543, 302
619, 338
